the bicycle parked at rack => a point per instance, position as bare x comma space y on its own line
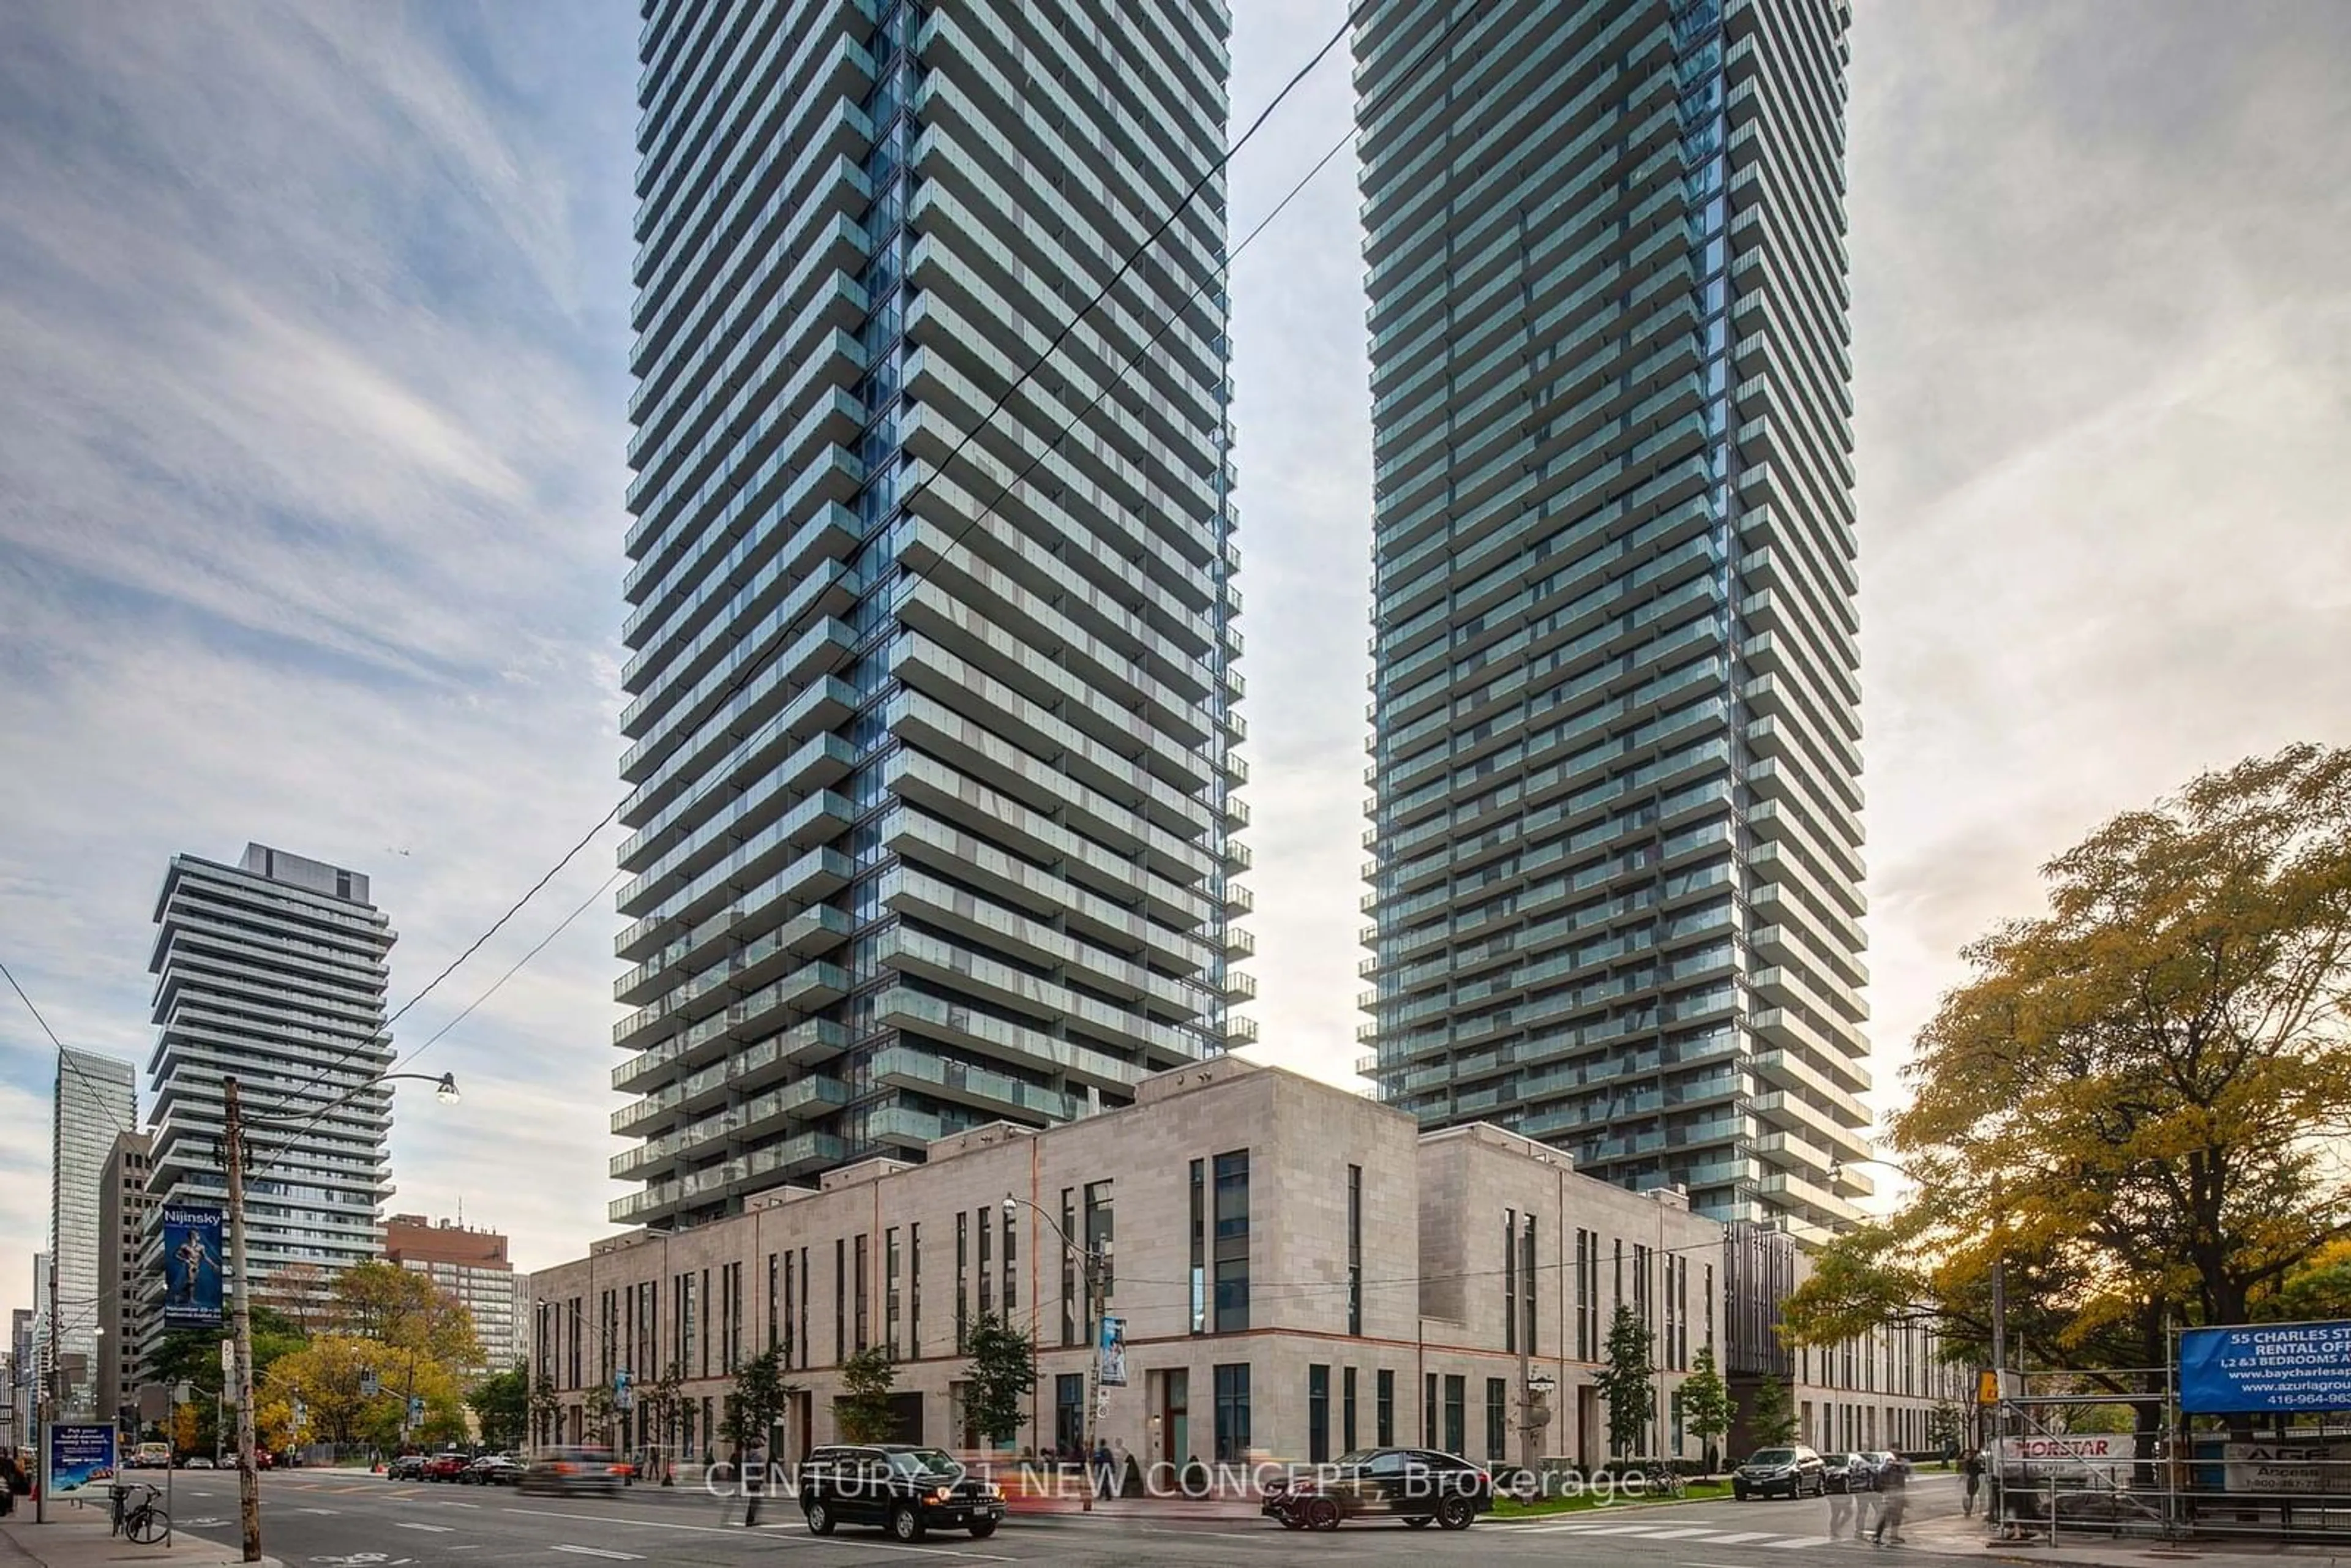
141, 1521
1664, 1478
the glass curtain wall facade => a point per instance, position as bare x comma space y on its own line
273, 971
1615, 754
931, 805
95, 1100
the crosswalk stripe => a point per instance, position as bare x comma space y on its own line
1793, 1542
1742, 1535
1684, 1534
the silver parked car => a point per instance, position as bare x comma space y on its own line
565, 1470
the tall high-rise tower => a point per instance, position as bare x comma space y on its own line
273, 971
930, 804
1615, 758
96, 1100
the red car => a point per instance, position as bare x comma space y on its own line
445, 1466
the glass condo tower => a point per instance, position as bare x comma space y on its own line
932, 787
1615, 884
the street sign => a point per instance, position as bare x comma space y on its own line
182, 1393
155, 1402
228, 1358
369, 1386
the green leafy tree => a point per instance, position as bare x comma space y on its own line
758, 1402
1627, 1383
1945, 1425
1001, 1379
863, 1411
1772, 1418
405, 1309
544, 1408
1706, 1406
501, 1403
2131, 1102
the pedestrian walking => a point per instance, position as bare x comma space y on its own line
1841, 1513
1105, 1470
1893, 1501
1865, 1502
751, 1474
1972, 1468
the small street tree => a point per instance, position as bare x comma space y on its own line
501, 1403
544, 1406
758, 1402
1706, 1406
1001, 1379
863, 1411
1772, 1421
1627, 1384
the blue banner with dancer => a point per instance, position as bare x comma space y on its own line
191, 1267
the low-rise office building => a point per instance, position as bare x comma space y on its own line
1295, 1270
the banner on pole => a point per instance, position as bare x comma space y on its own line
191, 1267
2269, 1368
1110, 1364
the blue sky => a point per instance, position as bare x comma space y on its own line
312, 390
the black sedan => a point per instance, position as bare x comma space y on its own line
1848, 1472
1791, 1472
1417, 1486
492, 1470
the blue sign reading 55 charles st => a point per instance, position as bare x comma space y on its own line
191, 1267
2265, 1368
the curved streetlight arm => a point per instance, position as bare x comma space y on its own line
445, 1090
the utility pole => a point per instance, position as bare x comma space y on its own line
1088, 1261
248, 1482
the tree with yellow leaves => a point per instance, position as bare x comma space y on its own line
2129, 1100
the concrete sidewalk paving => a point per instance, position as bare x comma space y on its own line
79, 1538
1962, 1537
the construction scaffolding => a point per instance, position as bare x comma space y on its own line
2057, 1468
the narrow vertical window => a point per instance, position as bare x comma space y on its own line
1199, 1275
913, 1290
1383, 1409
1347, 1410
1318, 1415
840, 1300
963, 1281
1354, 1251
1071, 1306
1511, 1280
890, 1301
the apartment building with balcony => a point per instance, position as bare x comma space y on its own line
272, 971
1615, 833
932, 705
469, 1265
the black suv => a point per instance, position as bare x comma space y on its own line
1792, 1470
906, 1490
1414, 1485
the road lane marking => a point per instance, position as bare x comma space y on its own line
600, 1551
1683, 1533
1742, 1535
1797, 1542
737, 1530
414, 1524
321, 1511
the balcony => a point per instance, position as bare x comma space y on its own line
905, 1068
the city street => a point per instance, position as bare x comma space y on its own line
342, 1520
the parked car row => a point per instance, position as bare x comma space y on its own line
1795, 1471
450, 1465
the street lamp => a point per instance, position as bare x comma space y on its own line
248, 1478
1089, 1262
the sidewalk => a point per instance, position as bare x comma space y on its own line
1961, 1537
78, 1538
